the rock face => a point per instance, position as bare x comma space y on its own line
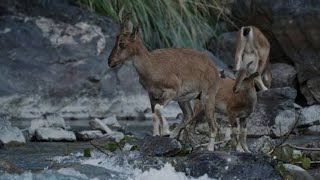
292, 28
224, 47
283, 75
54, 59
9, 135
221, 165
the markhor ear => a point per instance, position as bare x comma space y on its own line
135, 33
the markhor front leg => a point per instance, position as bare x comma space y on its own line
164, 126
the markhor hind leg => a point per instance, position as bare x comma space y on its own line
213, 126
243, 134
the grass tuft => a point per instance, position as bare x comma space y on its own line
167, 23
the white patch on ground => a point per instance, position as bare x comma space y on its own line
72, 172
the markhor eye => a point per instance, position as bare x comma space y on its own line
122, 45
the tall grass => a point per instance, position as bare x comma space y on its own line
166, 23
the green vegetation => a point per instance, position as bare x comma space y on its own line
167, 23
86, 152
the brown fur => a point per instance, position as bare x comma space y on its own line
235, 105
171, 74
260, 46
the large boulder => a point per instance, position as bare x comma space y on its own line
292, 28
10, 135
54, 59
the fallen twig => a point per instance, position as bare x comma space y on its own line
302, 148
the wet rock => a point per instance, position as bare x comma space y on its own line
296, 172
111, 121
222, 165
309, 115
114, 136
88, 135
274, 113
48, 120
98, 124
160, 146
283, 75
54, 134
10, 168
10, 135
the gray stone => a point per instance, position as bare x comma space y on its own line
283, 75
310, 114
10, 135
54, 134
114, 136
160, 146
48, 120
88, 135
111, 121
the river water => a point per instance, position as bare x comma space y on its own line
64, 160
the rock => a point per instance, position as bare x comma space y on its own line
54, 134
98, 124
222, 165
263, 144
10, 168
293, 32
88, 135
274, 113
48, 120
224, 47
64, 63
10, 135
111, 121
283, 75
160, 146
114, 136
310, 114
295, 172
